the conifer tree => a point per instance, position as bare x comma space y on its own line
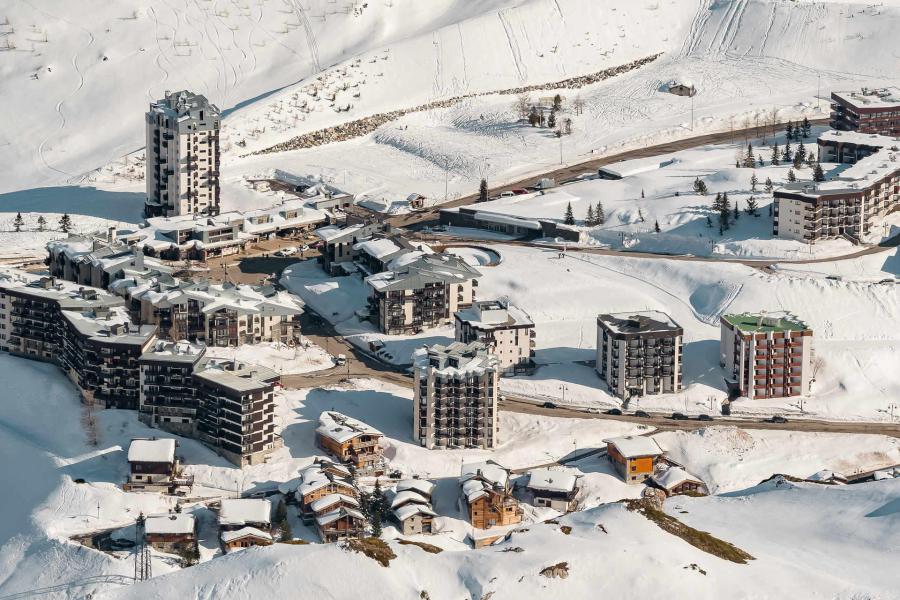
788, 154
818, 173
483, 191
724, 212
569, 219
801, 151
737, 210
769, 185
641, 215
656, 226
65, 223
789, 130
751, 207
589, 219
754, 181
775, 156
806, 127
599, 217
750, 160
791, 176
41, 223
18, 222
551, 122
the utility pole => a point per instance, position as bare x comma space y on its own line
818, 91
563, 388
560, 151
142, 571
692, 111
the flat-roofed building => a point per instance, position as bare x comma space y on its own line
506, 330
455, 398
237, 410
169, 397
766, 355
182, 161
869, 110
852, 202
639, 353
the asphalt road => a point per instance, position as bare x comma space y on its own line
569, 171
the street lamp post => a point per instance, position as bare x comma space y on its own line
563, 388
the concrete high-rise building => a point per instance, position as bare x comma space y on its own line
182, 156
456, 389
639, 353
766, 356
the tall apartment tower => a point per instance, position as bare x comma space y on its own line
182, 156
766, 356
639, 353
456, 389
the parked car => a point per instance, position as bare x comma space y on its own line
304, 248
778, 419
506, 194
594, 410
642, 414
679, 416
704, 418
340, 360
549, 405
520, 191
288, 251
614, 411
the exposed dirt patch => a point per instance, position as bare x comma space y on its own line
374, 548
431, 549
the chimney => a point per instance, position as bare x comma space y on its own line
111, 234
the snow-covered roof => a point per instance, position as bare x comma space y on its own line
494, 314
379, 249
880, 98
640, 322
179, 523
456, 358
671, 477
333, 233
410, 510
826, 475
422, 486
552, 481
633, 446
488, 470
230, 536
409, 496
238, 511
341, 428
331, 499
337, 514
152, 451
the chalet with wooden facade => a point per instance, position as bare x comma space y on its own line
351, 441
486, 492
675, 480
634, 457
245, 522
172, 533
153, 467
323, 478
341, 524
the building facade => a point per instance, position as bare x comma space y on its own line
169, 397
421, 294
766, 356
182, 156
639, 353
351, 441
867, 111
486, 491
506, 330
849, 205
455, 401
634, 457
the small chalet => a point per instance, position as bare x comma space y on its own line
487, 492
554, 489
245, 522
680, 88
416, 201
634, 456
828, 476
411, 506
674, 480
323, 478
244, 538
171, 533
351, 441
341, 524
153, 467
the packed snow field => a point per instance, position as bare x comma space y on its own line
45, 507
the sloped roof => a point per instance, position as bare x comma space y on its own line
671, 477
237, 511
634, 446
552, 481
409, 510
174, 524
152, 451
229, 536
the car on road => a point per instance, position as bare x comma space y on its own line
679, 416
614, 411
340, 360
777, 419
642, 413
288, 251
520, 191
594, 411
506, 195
704, 418
549, 405
304, 248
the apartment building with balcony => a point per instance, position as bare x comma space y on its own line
182, 156
766, 355
639, 353
455, 396
853, 201
339, 244
351, 441
237, 410
421, 294
506, 330
216, 314
869, 110
98, 261
31, 307
101, 349
169, 397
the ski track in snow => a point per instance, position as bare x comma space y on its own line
513, 43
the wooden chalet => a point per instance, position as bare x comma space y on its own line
171, 533
153, 467
351, 441
486, 491
321, 480
341, 524
674, 480
555, 489
634, 457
